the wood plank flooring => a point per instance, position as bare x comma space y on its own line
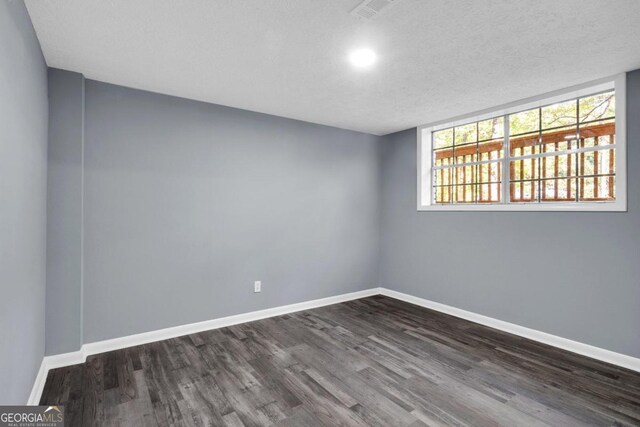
374, 361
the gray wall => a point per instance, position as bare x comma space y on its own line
186, 204
23, 192
532, 269
64, 212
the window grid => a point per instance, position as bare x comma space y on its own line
503, 184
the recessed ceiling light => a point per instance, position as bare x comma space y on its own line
362, 58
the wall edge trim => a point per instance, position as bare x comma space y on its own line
75, 357
38, 385
80, 356
583, 349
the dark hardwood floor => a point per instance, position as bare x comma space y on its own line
374, 361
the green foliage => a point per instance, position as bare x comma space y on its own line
590, 108
481, 182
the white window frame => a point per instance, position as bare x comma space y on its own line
425, 163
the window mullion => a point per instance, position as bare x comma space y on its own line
554, 146
506, 170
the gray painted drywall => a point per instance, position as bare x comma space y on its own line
23, 193
186, 204
64, 212
575, 275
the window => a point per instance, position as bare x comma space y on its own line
560, 152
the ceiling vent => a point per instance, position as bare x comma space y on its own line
369, 9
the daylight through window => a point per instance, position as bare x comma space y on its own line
558, 153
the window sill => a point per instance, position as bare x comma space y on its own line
528, 207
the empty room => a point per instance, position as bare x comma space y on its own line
319, 213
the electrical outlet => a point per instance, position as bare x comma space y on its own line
257, 286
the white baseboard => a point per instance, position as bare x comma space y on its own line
68, 359
601, 354
73, 358
38, 385
192, 328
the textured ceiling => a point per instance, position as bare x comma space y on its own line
437, 58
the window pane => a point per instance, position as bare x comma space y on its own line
465, 193
525, 169
598, 133
465, 175
490, 172
443, 177
597, 189
443, 138
489, 177
543, 164
559, 139
466, 153
606, 162
596, 162
490, 193
558, 190
491, 129
443, 195
443, 157
561, 114
458, 184
491, 150
597, 107
525, 121
558, 166
525, 145
587, 163
524, 191
466, 133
